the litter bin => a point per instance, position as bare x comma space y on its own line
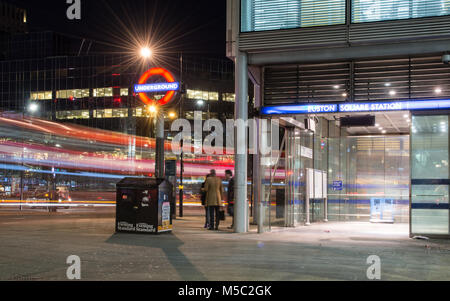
143, 206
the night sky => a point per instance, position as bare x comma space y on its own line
196, 27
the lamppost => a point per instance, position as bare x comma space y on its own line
181, 188
146, 54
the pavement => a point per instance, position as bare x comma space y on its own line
35, 246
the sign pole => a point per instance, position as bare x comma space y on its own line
159, 162
182, 154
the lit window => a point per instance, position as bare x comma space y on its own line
61, 94
259, 15
108, 92
99, 92
108, 113
124, 92
190, 94
190, 115
231, 97
214, 96
72, 115
369, 11
42, 95
203, 95
119, 113
75, 93
138, 112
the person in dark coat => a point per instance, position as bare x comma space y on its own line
214, 197
230, 195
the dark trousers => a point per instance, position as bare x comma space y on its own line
214, 216
206, 216
231, 212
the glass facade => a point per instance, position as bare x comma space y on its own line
383, 10
430, 175
367, 178
260, 15
372, 170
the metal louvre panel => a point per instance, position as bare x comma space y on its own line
371, 80
306, 83
403, 29
290, 38
410, 79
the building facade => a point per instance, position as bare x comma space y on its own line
12, 19
96, 90
362, 91
57, 98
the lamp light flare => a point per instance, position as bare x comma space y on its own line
152, 109
33, 107
146, 52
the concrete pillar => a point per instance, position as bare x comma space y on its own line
241, 154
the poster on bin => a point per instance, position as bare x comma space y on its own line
164, 224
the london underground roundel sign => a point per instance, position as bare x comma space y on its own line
170, 87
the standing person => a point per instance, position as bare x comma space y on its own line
214, 196
230, 195
203, 199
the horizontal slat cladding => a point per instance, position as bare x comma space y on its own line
394, 79
306, 83
299, 37
402, 79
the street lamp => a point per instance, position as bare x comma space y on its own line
146, 52
152, 109
33, 108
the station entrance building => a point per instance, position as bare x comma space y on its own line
361, 93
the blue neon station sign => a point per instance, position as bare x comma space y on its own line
367, 107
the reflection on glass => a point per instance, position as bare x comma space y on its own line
430, 175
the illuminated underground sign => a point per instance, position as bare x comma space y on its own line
170, 87
358, 107
156, 87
